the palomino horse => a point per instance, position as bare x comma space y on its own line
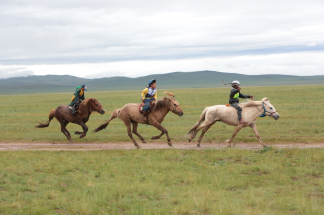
130, 114
228, 115
64, 115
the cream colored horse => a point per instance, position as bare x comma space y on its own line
228, 115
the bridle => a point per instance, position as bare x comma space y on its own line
174, 108
265, 111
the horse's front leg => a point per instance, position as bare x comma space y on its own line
161, 128
85, 130
237, 129
157, 137
254, 127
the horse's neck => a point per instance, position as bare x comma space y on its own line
255, 110
163, 111
86, 111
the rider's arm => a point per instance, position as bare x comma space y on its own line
82, 97
144, 92
244, 96
155, 95
77, 95
233, 92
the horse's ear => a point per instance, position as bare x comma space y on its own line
265, 99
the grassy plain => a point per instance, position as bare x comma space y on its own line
227, 181
300, 109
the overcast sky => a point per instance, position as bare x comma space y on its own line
133, 38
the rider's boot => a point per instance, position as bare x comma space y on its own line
242, 121
72, 108
145, 115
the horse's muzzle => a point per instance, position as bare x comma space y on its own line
102, 112
275, 116
180, 114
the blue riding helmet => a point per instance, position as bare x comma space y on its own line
85, 87
151, 82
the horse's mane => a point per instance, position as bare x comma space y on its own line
85, 107
251, 103
162, 103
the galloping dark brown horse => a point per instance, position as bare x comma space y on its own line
64, 115
130, 114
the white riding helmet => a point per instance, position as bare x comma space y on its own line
236, 82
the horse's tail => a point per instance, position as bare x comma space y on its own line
50, 117
114, 115
202, 118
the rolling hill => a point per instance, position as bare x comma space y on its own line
175, 80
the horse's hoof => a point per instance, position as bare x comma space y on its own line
76, 132
71, 141
144, 141
82, 136
170, 144
189, 140
229, 146
198, 145
265, 146
152, 138
138, 147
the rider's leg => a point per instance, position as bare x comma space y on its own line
146, 109
239, 112
75, 105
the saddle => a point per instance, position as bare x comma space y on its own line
152, 105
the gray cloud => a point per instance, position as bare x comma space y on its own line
14, 72
69, 32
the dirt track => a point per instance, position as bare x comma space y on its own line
128, 145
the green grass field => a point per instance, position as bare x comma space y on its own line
228, 181
300, 109
165, 181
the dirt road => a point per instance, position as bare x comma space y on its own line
128, 145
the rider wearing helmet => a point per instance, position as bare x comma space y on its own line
148, 94
234, 101
77, 98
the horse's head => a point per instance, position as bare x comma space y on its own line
269, 109
96, 106
174, 107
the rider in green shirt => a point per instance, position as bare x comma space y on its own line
78, 98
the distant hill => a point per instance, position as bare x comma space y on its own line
175, 80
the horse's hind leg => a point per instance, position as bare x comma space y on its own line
63, 127
254, 127
65, 131
203, 133
129, 132
65, 124
135, 124
197, 130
